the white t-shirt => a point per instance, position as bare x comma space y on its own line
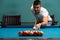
43, 12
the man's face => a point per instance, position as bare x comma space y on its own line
37, 8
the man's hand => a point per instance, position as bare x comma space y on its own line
37, 26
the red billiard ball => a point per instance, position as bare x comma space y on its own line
27, 32
35, 33
20, 33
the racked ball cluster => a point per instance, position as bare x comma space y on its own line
31, 33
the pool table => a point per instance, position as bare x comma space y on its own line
49, 32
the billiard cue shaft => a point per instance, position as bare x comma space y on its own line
34, 28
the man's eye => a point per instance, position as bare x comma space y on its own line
37, 7
34, 7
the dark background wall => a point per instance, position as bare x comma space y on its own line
22, 7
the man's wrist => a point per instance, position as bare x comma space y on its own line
40, 23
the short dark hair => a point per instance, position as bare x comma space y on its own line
36, 2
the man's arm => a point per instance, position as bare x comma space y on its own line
45, 21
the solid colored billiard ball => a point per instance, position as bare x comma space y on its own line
40, 33
20, 33
36, 33
27, 32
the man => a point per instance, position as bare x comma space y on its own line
41, 14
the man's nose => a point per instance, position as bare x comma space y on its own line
35, 8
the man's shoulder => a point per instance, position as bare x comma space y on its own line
43, 9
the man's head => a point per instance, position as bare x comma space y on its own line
37, 6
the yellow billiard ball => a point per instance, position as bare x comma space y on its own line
40, 33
